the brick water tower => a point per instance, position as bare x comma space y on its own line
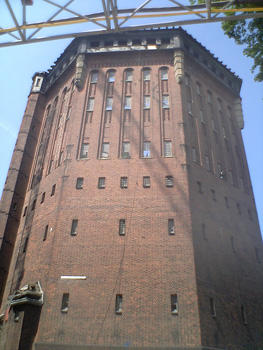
128, 219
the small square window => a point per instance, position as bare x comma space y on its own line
118, 304
146, 181
53, 190
146, 102
64, 304
101, 183
79, 183
94, 77
124, 182
122, 227
174, 304
168, 148
169, 181
125, 153
74, 227
105, 150
171, 229
84, 150
111, 76
146, 149
43, 197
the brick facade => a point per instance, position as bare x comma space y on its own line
180, 250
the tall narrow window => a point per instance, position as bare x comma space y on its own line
118, 304
94, 77
233, 245
45, 233
124, 182
84, 150
127, 104
111, 76
128, 75
122, 227
109, 102
171, 229
165, 101
146, 181
243, 314
64, 304
199, 187
125, 153
146, 149
207, 162
146, 102
25, 245
212, 307
105, 150
33, 204
213, 192
194, 154
43, 197
90, 106
101, 183
53, 190
174, 304
74, 227
168, 148
164, 74
79, 183
169, 181
146, 74
213, 124
238, 209
25, 211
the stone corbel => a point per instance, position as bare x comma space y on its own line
179, 65
81, 69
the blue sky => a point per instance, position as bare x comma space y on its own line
18, 65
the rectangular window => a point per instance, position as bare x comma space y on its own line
174, 304
105, 150
101, 183
146, 74
25, 211
46, 232
118, 304
124, 182
146, 181
168, 148
25, 245
207, 162
53, 190
64, 304
189, 107
169, 181
213, 124
194, 154
212, 307
79, 183
109, 102
128, 75
74, 227
43, 197
127, 104
164, 74
90, 107
146, 102
122, 227
243, 314
224, 131
33, 204
146, 149
111, 77
84, 150
94, 77
202, 116
233, 245
165, 101
171, 229
125, 152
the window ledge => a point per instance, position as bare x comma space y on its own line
146, 157
103, 158
174, 312
119, 312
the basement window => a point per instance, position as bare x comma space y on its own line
64, 304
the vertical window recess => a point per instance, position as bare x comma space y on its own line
74, 227
122, 227
53, 190
45, 233
118, 304
64, 304
212, 307
171, 229
174, 304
